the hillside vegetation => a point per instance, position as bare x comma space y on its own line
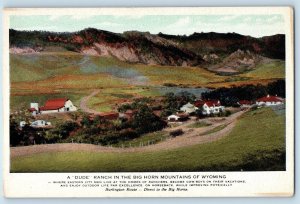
242, 149
151, 49
38, 76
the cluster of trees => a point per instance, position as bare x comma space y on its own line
230, 96
28, 135
136, 104
95, 131
105, 132
173, 102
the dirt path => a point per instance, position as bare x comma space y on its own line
84, 101
191, 136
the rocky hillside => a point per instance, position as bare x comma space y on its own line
199, 49
224, 44
133, 47
236, 62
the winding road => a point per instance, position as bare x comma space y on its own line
190, 137
84, 101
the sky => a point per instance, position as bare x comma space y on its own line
253, 25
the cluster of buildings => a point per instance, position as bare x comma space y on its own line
207, 107
58, 105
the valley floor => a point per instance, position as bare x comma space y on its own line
191, 136
254, 140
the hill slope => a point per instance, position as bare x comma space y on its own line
146, 48
241, 149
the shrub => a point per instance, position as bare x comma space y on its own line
170, 84
177, 132
145, 121
128, 134
86, 122
254, 107
227, 113
67, 127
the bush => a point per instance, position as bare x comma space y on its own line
86, 122
177, 132
227, 113
254, 107
128, 134
145, 121
67, 127
170, 84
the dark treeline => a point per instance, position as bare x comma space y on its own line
230, 96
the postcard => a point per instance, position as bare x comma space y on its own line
148, 102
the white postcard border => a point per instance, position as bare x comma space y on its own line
257, 183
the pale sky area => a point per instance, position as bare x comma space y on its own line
253, 25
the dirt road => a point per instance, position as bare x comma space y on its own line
84, 101
191, 136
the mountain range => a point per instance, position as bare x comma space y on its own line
218, 52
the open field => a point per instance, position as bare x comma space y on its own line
32, 67
274, 69
37, 77
109, 98
147, 139
216, 129
199, 125
257, 142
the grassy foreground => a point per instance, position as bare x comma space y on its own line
256, 143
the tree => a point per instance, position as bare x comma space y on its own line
15, 136
199, 112
277, 88
145, 121
65, 128
173, 102
86, 122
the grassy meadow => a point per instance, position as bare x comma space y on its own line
37, 77
257, 142
274, 69
146, 139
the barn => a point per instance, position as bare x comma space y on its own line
53, 106
57, 105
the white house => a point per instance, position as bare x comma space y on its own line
269, 101
173, 118
53, 106
210, 106
188, 108
178, 117
40, 123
